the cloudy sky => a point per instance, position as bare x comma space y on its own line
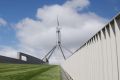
30, 25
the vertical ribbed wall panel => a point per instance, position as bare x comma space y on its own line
113, 52
108, 53
101, 61
99, 57
103, 38
117, 31
92, 59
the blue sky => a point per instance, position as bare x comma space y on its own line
13, 11
105, 8
16, 10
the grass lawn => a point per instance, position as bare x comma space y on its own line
29, 72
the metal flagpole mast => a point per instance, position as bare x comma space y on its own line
58, 31
58, 44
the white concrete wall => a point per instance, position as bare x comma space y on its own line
99, 58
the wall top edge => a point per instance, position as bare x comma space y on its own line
107, 23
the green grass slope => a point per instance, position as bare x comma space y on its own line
29, 72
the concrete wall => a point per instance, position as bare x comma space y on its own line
30, 59
4, 59
99, 57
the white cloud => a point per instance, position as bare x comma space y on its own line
2, 22
8, 51
77, 3
40, 34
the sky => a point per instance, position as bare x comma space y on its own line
30, 25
